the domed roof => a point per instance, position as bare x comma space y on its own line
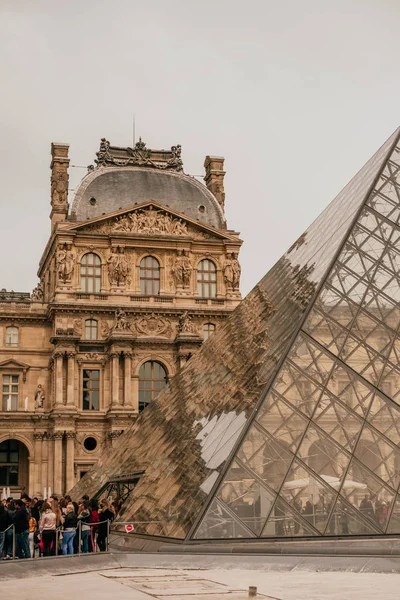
109, 188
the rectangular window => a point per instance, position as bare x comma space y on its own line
10, 392
91, 389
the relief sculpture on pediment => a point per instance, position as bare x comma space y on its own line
148, 221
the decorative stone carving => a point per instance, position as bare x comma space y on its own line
78, 327
232, 270
59, 187
182, 270
65, 263
118, 268
186, 324
91, 356
148, 221
139, 155
153, 325
121, 322
70, 435
113, 435
39, 397
105, 329
38, 293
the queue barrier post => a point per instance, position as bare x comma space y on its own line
13, 541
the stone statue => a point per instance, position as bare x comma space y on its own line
231, 270
182, 269
39, 397
65, 263
112, 268
118, 269
186, 324
121, 321
38, 293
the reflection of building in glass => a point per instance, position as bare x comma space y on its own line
315, 348
139, 269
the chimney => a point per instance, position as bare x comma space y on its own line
214, 178
59, 183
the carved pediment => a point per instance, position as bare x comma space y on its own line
150, 219
15, 365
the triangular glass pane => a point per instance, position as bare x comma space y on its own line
384, 415
350, 389
394, 522
297, 388
363, 490
381, 457
346, 520
382, 308
286, 522
337, 307
325, 458
338, 421
325, 331
308, 494
218, 523
390, 382
246, 497
265, 457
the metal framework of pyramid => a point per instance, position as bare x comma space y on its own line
287, 421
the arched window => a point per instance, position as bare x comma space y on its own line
149, 276
12, 337
152, 378
90, 273
91, 328
208, 329
206, 279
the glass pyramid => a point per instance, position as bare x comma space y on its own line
320, 456
287, 421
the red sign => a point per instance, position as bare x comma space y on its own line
129, 528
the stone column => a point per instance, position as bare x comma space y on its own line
58, 372
115, 379
71, 379
58, 438
135, 394
50, 461
36, 484
127, 378
70, 466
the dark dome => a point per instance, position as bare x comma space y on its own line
109, 189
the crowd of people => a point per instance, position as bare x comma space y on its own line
54, 526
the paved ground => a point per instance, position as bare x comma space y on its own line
204, 584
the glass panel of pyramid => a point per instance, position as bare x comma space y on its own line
286, 422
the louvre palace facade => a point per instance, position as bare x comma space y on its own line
286, 424
139, 270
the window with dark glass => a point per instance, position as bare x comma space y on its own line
149, 276
208, 329
90, 273
91, 389
153, 377
12, 337
206, 279
10, 392
9, 459
91, 329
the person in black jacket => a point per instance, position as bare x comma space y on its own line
106, 515
21, 522
70, 525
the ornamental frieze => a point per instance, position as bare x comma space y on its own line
147, 221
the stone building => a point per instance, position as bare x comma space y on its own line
136, 274
294, 431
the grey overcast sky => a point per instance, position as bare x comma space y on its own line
296, 94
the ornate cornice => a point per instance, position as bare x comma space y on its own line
139, 156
